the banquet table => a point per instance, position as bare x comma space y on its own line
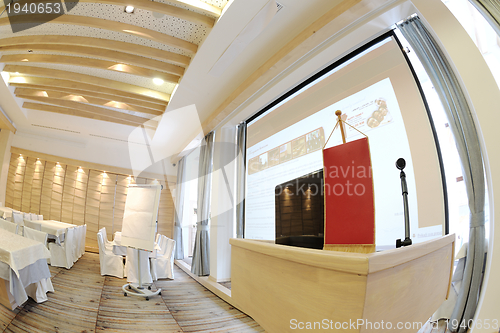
55, 229
6, 213
23, 270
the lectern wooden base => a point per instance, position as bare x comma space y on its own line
356, 248
285, 288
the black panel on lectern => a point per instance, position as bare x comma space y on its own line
299, 214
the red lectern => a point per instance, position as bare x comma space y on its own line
348, 193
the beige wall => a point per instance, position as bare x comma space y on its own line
77, 195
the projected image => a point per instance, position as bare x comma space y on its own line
286, 152
298, 147
263, 161
253, 165
274, 157
369, 115
315, 140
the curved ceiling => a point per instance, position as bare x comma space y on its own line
99, 62
88, 75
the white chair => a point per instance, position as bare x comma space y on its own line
162, 267
110, 263
40, 217
132, 267
26, 216
77, 242
36, 235
61, 255
17, 218
83, 236
107, 243
33, 217
33, 225
9, 226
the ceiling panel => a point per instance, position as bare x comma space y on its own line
100, 63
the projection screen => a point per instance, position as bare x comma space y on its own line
378, 92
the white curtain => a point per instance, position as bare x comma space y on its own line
201, 254
462, 125
179, 209
490, 9
240, 174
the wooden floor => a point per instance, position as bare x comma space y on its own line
85, 301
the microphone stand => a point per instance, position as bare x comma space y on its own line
400, 164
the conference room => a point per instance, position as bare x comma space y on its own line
310, 160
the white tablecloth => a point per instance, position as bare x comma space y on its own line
19, 252
55, 228
121, 250
6, 213
23, 262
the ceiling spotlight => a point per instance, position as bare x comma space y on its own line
129, 9
30, 51
158, 81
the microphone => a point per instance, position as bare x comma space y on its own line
400, 163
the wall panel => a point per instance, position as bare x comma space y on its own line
36, 186
107, 202
92, 207
9, 192
122, 183
18, 182
166, 212
57, 192
79, 199
27, 184
46, 196
68, 197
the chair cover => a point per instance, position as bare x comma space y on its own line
83, 235
40, 217
36, 235
107, 243
61, 255
77, 239
9, 226
17, 218
110, 263
33, 217
162, 267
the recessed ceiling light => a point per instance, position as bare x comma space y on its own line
129, 9
158, 81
